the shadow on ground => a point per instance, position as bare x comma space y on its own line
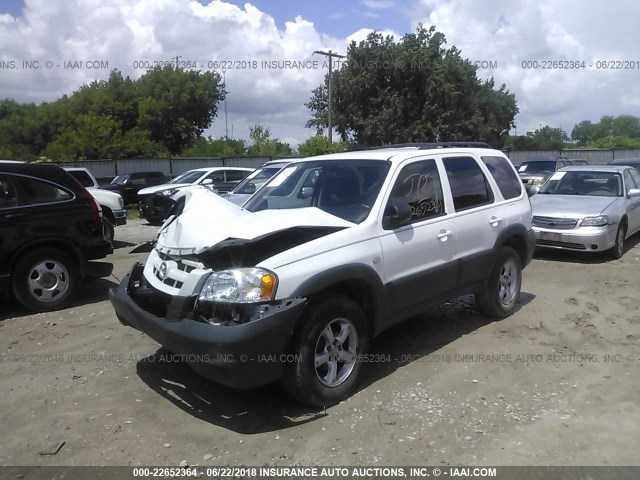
269, 408
91, 291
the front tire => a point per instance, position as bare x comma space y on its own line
45, 280
107, 229
500, 296
327, 346
618, 249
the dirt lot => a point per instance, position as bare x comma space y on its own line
534, 389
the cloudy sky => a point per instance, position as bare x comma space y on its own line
39, 38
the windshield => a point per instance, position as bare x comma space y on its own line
258, 178
120, 180
537, 167
191, 176
598, 184
344, 188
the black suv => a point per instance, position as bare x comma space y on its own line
128, 185
50, 227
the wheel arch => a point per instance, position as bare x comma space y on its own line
62, 245
358, 282
515, 236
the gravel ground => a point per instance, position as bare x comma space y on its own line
554, 384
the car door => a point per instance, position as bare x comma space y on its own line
477, 220
10, 223
215, 180
418, 257
632, 203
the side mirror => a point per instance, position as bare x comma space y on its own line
535, 189
305, 192
207, 181
250, 188
396, 215
633, 192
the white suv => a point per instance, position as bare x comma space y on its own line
330, 252
113, 211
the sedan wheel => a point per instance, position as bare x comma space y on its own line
618, 249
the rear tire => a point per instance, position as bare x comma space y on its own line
45, 279
500, 296
618, 249
327, 345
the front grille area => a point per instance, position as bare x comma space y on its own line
171, 282
555, 243
555, 223
147, 200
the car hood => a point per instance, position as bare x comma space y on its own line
208, 220
159, 188
569, 206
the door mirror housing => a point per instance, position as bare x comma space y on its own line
634, 192
396, 215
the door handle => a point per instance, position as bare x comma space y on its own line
444, 234
14, 215
494, 221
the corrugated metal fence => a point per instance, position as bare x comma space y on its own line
107, 169
600, 155
103, 169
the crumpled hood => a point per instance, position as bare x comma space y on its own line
569, 206
208, 219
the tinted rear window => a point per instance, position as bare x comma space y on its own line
468, 184
508, 182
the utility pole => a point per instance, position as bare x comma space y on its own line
178, 57
224, 83
331, 56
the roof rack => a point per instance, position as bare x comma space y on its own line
430, 145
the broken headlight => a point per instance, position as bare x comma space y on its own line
242, 285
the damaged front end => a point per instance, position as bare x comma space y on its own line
225, 342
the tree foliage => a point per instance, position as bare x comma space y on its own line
543, 138
622, 131
161, 113
320, 145
262, 145
412, 90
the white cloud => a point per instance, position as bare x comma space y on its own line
377, 4
125, 33
511, 33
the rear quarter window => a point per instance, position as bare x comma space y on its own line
508, 182
469, 186
33, 192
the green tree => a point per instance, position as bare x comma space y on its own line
261, 144
218, 147
176, 106
413, 90
583, 132
544, 138
320, 145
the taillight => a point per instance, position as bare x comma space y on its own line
95, 208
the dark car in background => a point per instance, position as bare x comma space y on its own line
50, 229
534, 172
129, 184
627, 162
154, 202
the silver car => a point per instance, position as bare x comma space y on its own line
592, 208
